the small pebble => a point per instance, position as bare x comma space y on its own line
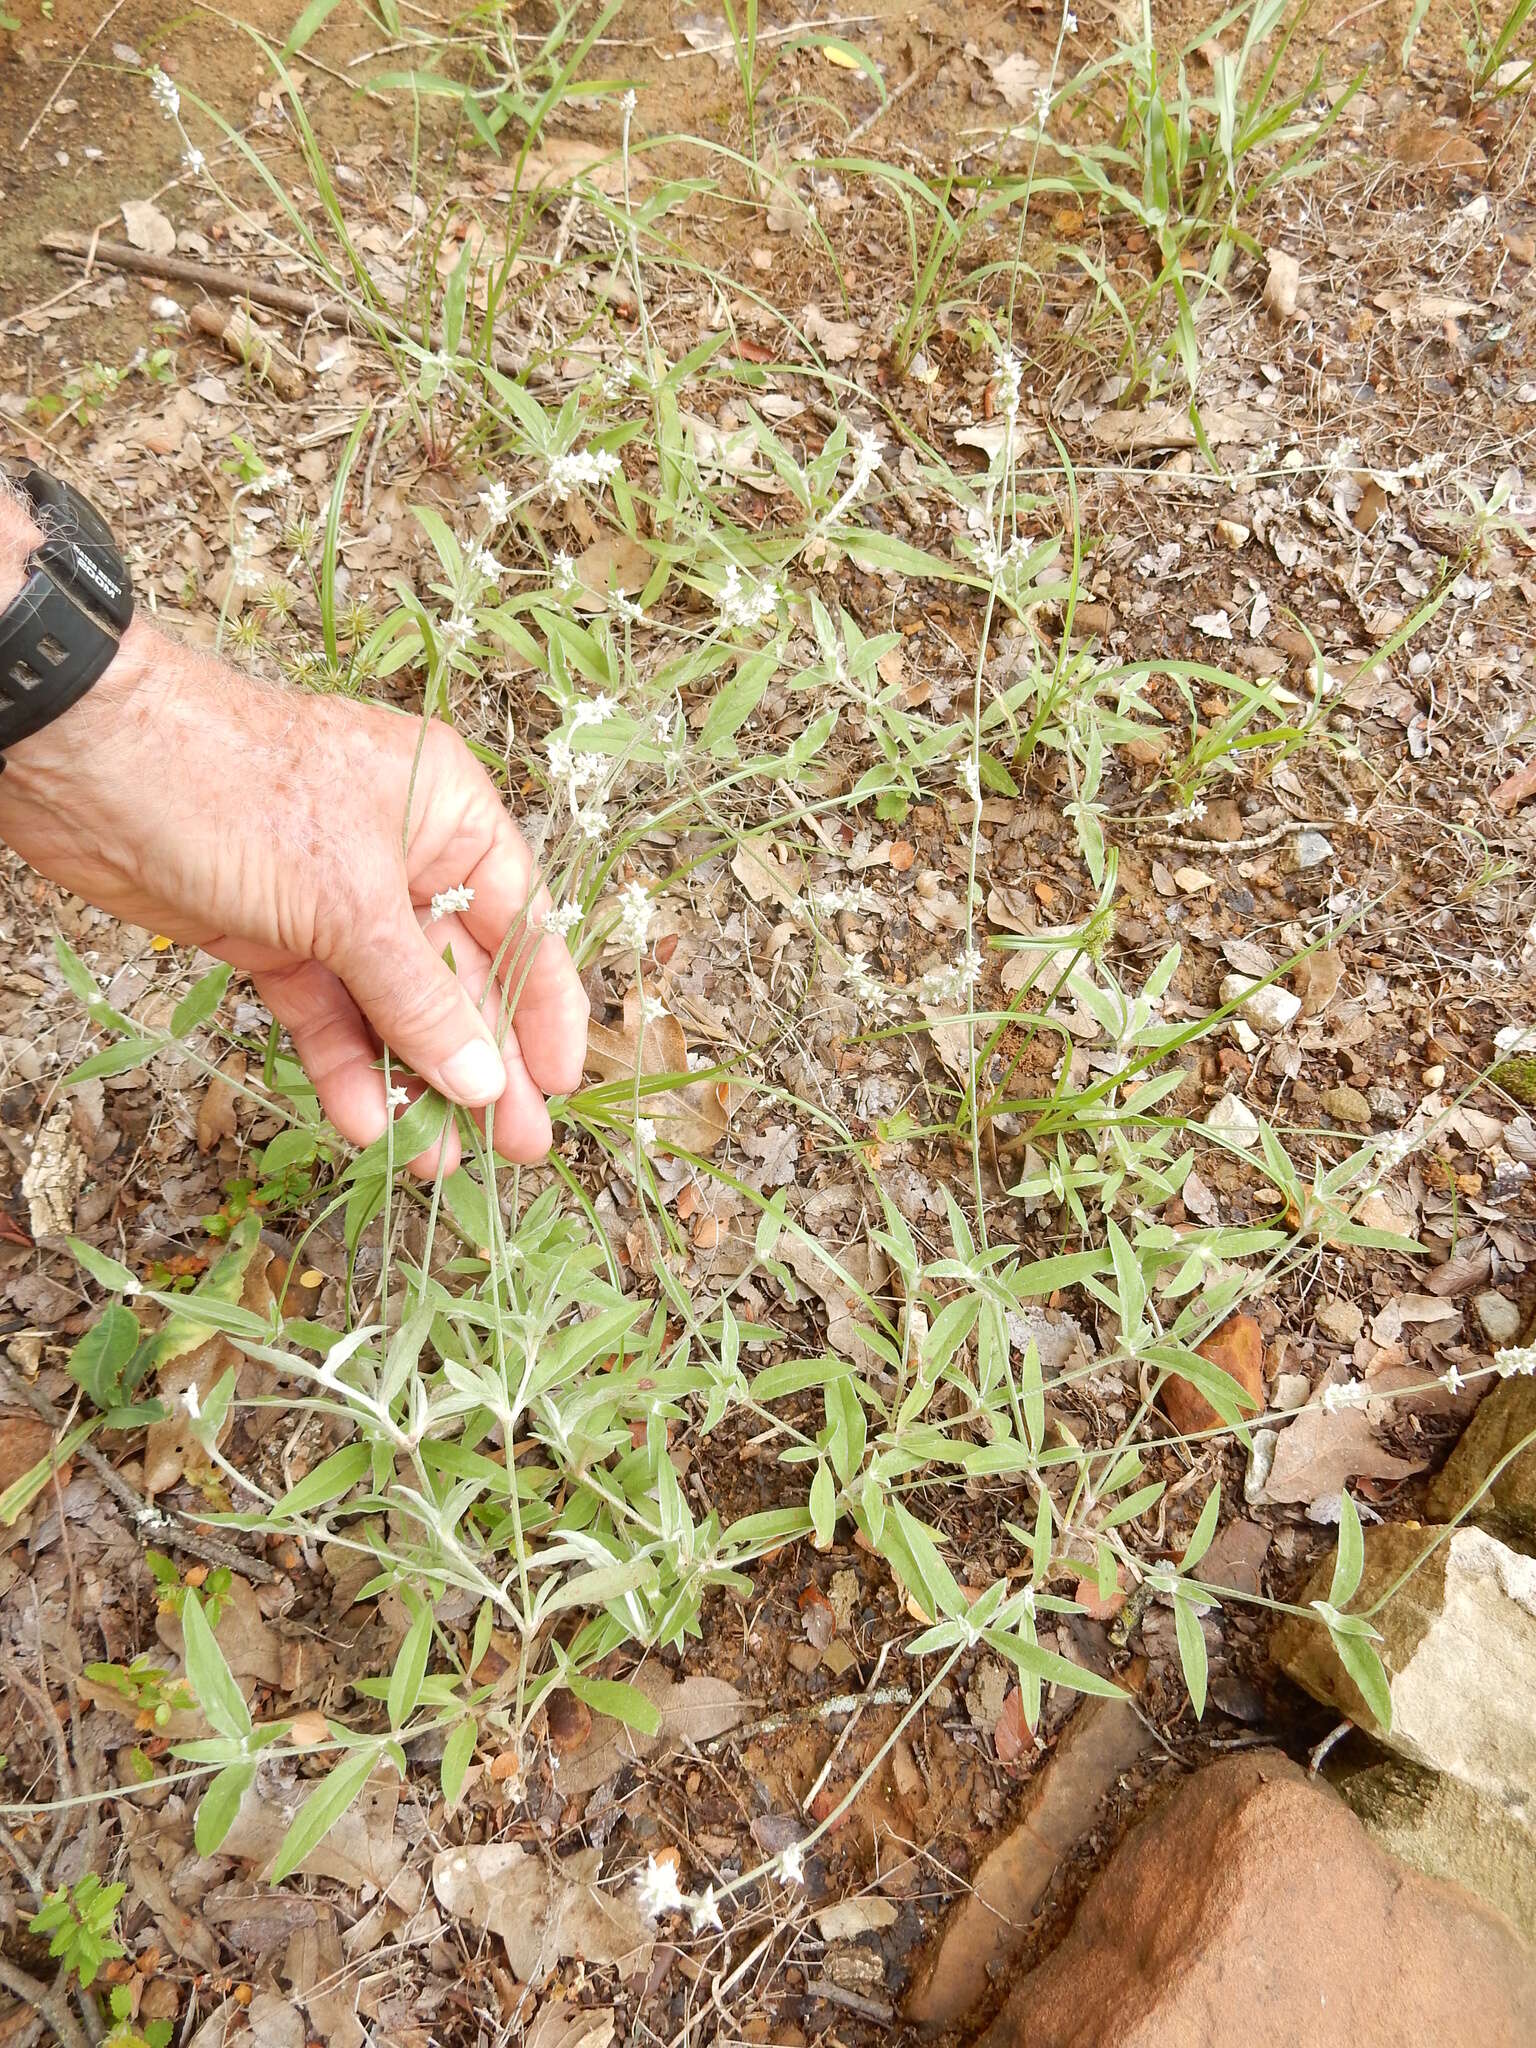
1312, 849
1346, 1106
1232, 1118
1387, 1103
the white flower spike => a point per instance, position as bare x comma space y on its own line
792, 1864
703, 1912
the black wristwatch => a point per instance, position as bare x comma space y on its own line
59, 634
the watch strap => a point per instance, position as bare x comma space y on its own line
61, 632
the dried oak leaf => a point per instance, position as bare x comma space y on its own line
690, 1117
543, 1911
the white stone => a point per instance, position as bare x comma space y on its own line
1269, 1008
1499, 1316
1312, 849
1232, 1118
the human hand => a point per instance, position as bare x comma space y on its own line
268, 828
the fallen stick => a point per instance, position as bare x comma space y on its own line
70, 247
246, 342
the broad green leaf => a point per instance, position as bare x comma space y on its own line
100, 1359
1365, 1667
106, 1272
1205, 1530
200, 1001
823, 1506
331, 1478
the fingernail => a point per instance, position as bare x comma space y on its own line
475, 1074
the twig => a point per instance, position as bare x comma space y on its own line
848, 1727
1186, 844
47, 2001
69, 74
845, 1703
834, 1994
70, 247
160, 1523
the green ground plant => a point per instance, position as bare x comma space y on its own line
504, 1398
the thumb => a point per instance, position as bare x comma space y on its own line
410, 996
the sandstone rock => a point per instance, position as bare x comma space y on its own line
1458, 1642
1252, 1908
1103, 1738
1449, 1831
1505, 1417
1238, 1348
1343, 1321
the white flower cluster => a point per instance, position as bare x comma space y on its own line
166, 97
949, 984
1188, 814
568, 472
869, 993
498, 504
562, 920
744, 604
1042, 104
449, 902
457, 630
1010, 379
636, 911
868, 453
580, 773
193, 158
481, 565
969, 777
594, 711
1352, 1394
661, 1893
854, 897
277, 476
1516, 1364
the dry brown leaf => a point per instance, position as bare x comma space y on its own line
851, 1917
695, 1710
361, 1849
148, 227
1133, 432
767, 877
561, 160
1280, 286
542, 1912
689, 1118
1018, 78
250, 1643
24, 1439
1318, 1454
839, 340
561, 2024
216, 1111
613, 562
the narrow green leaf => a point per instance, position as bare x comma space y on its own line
458, 1754
1205, 1530
1192, 1652
210, 1677
322, 1809
823, 1506
1349, 1562
618, 1701
1365, 1667
220, 1803
200, 1001
410, 1667
331, 1478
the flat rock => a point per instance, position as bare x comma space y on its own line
1253, 1908
1268, 1008
1447, 1830
1505, 1417
1458, 1642
1102, 1739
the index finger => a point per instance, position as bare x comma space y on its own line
549, 1004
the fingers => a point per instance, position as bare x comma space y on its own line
405, 989
339, 1054
551, 1007
518, 1121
